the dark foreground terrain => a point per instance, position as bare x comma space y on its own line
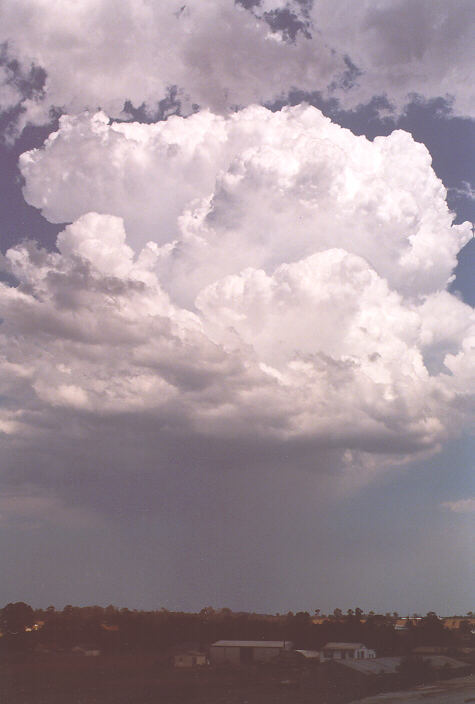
65, 678
134, 679
457, 691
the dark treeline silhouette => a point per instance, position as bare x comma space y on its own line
122, 630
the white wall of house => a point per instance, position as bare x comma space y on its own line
357, 653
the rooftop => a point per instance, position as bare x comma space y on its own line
250, 643
343, 646
376, 666
388, 666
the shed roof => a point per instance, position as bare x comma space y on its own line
388, 666
444, 661
343, 646
309, 653
249, 644
374, 666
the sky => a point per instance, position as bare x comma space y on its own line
236, 304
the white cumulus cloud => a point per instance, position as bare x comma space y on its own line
257, 188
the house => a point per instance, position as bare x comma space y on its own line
191, 658
346, 651
35, 627
319, 620
244, 652
456, 623
402, 624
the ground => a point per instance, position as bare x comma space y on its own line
140, 679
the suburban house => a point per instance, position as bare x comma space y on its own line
402, 624
243, 652
346, 651
456, 623
191, 658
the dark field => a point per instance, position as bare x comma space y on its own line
140, 679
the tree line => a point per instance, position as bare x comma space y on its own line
115, 629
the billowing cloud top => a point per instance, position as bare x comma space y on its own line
218, 54
291, 290
255, 189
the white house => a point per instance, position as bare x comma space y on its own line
346, 651
243, 652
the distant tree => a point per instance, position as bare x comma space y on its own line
15, 617
358, 612
299, 629
337, 613
207, 612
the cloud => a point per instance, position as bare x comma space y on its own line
465, 191
460, 506
401, 49
252, 292
221, 194
292, 294
219, 54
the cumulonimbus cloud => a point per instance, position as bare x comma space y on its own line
293, 290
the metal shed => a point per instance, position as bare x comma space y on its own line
243, 652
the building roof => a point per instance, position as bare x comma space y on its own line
438, 661
249, 644
343, 646
374, 666
430, 650
389, 666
